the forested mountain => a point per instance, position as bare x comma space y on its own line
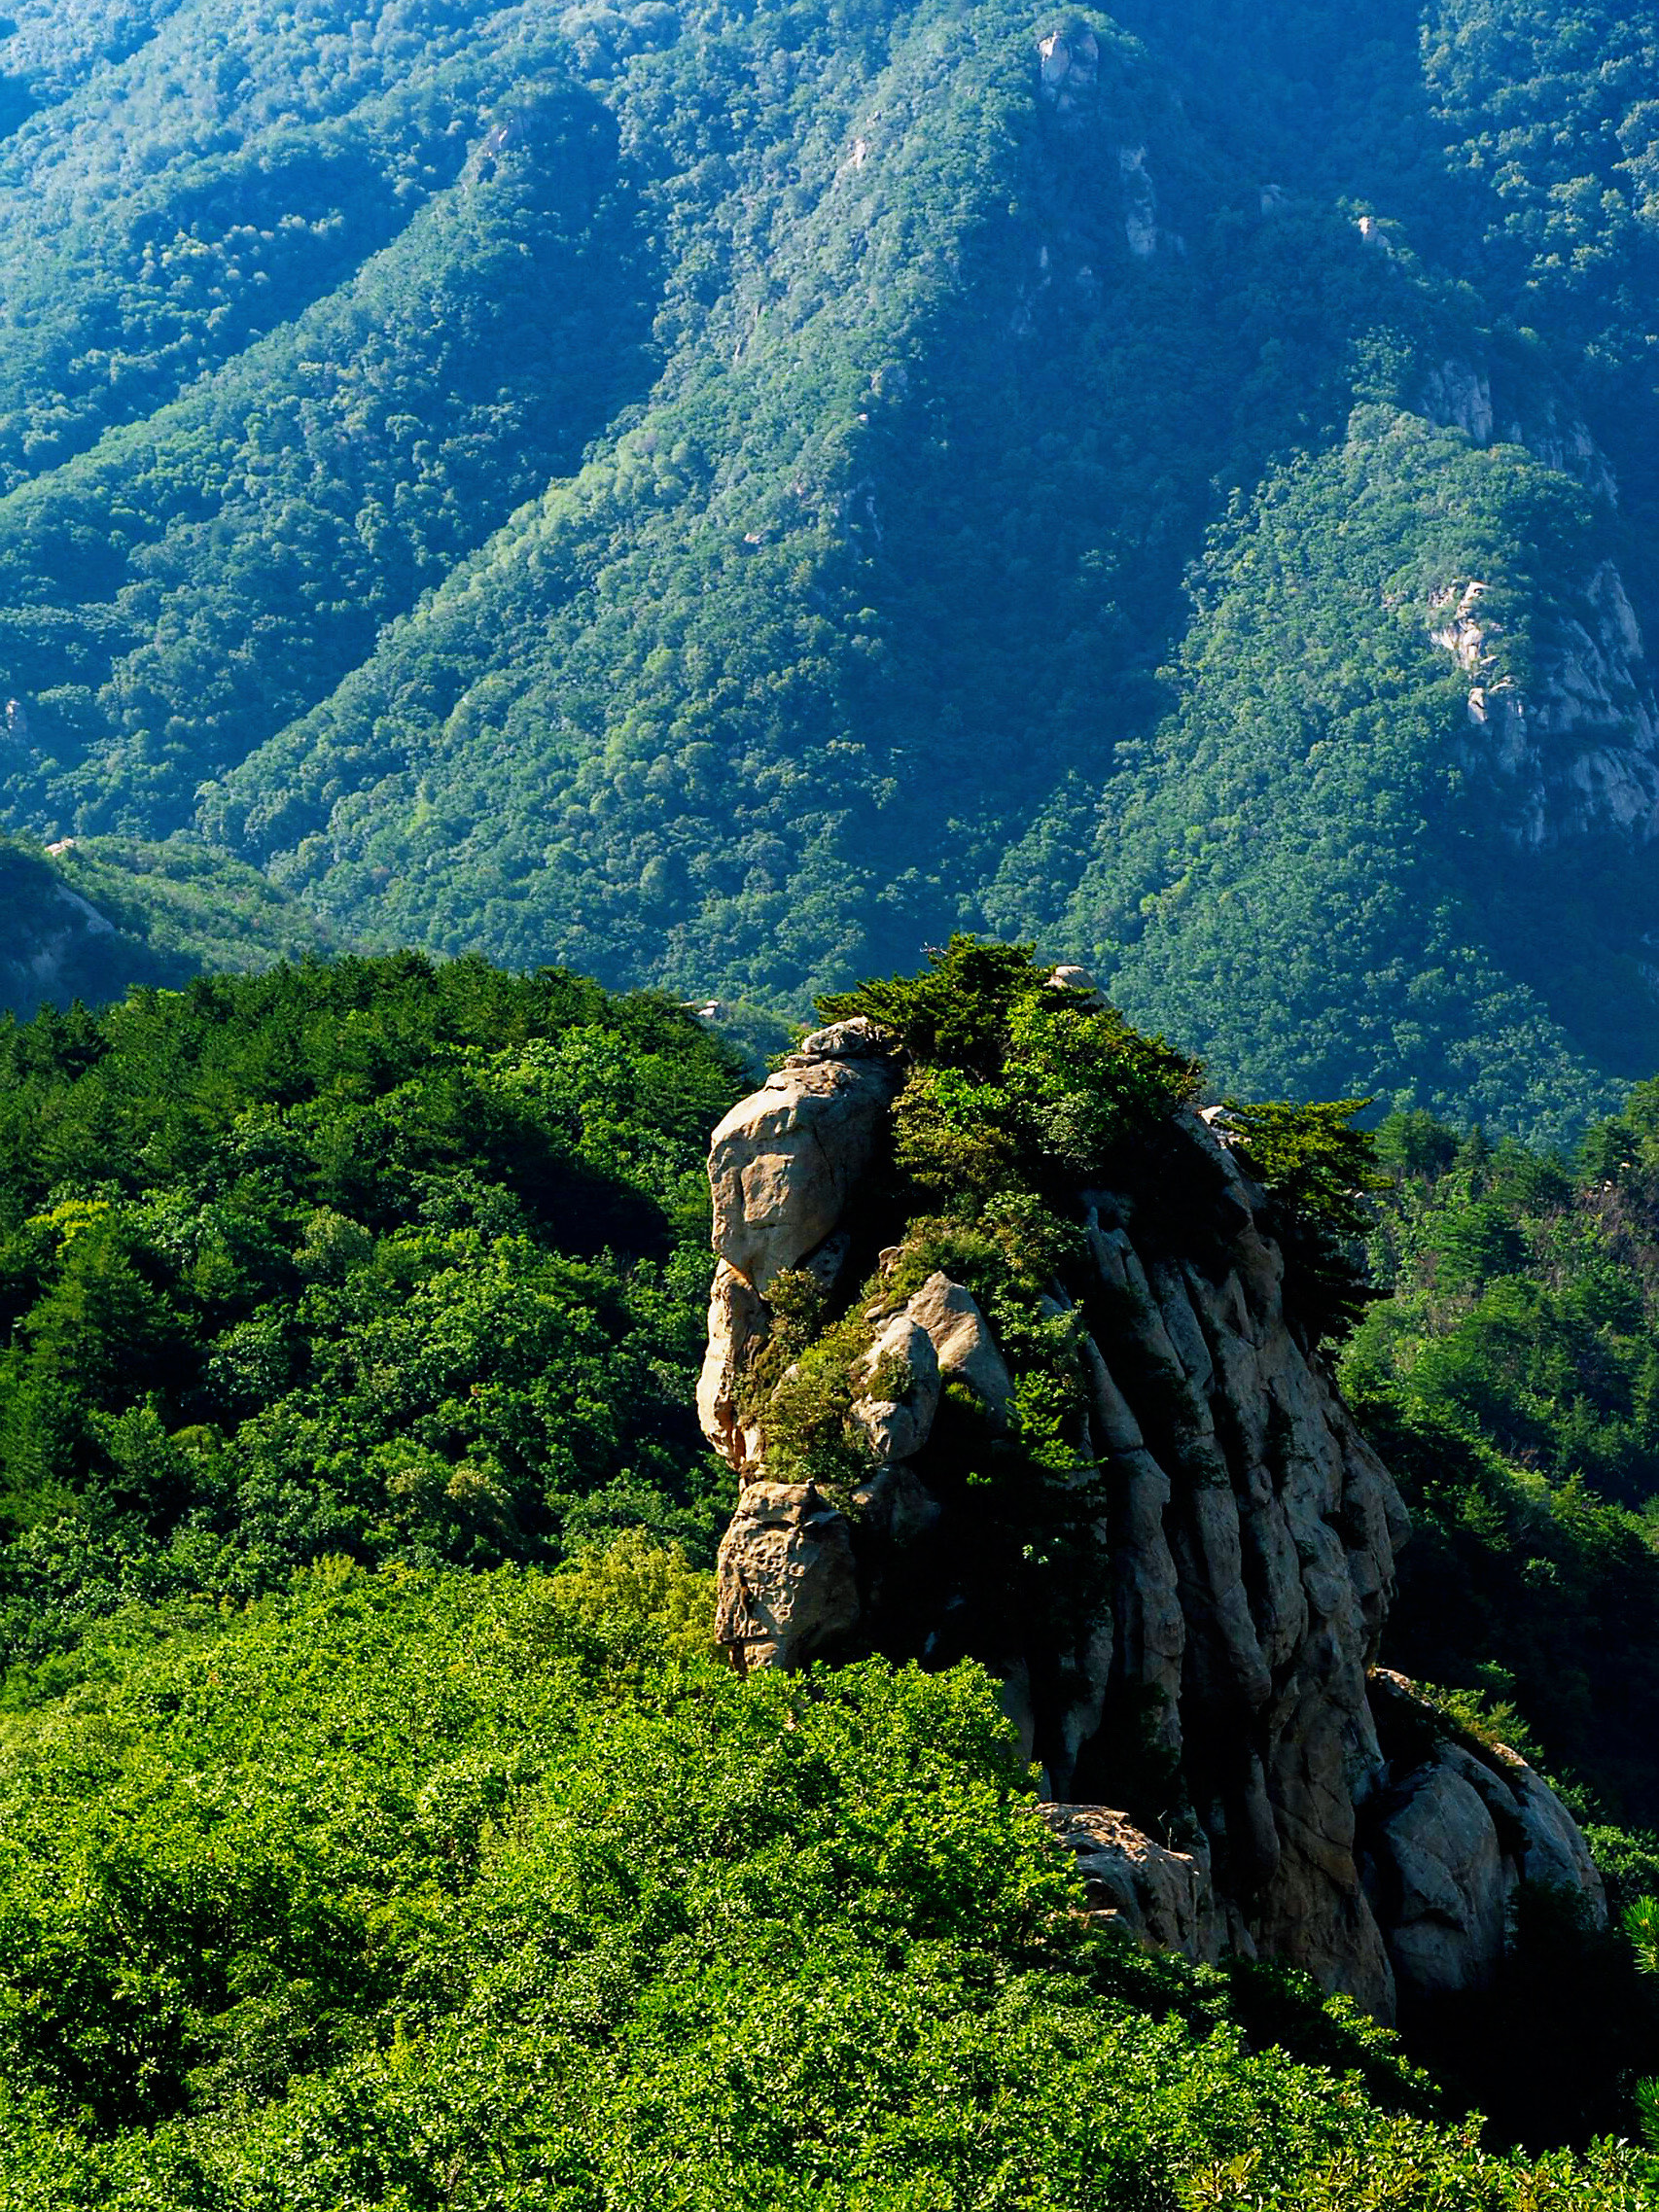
87, 919
721, 494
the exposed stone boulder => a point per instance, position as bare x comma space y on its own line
1164, 1899
786, 1160
1080, 983
1440, 1880
963, 1345
1229, 1589
856, 1040
1452, 1829
738, 1321
898, 1380
786, 1586
1069, 68
1553, 1848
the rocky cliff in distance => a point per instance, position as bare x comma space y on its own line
1188, 1634
88, 920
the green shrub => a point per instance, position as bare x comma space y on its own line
426, 1889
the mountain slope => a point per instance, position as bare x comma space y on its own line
86, 922
706, 494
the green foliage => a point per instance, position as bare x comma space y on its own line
1012, 1085
1523, 1298
1509, 1379
1319, 1168
956, 1013
564, 484
810, 1436
382, 1258
191, 908
1313, 1158
88, 922
419, 1888
1640, 1922
1255, 863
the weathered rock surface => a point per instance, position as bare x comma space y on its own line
1069, 68
1215, 1685
1440, 1880
963, 1347
737, 1322
1452, 1829
897, 1425
785, 1161
1162, 1898
1577, 754
787, 1583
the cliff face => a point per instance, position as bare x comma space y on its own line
58, 943
1193, 1677
1575, 752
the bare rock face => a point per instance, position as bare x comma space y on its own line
784, 1162
1211, 1679
787, 1583
1440, 1880
1452, 1829
1162, 1898
1553, 1848
1068, 69
899, 1381
963, 1347
738, 1321
1577, 754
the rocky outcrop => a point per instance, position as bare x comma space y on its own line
786, 1586
1164, 1899
1453, 1827
1459, 394
1208, 1675
963, 1346
1574, 754
897, 1386
1068, 69
737, 1320
784, 1162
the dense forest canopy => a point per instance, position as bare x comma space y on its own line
720, 496
494, 1892
375, 1258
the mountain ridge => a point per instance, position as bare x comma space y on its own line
724, 496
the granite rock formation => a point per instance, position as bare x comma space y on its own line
1207, 1723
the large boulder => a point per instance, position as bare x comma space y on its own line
1453, 1828
963, 1345
786, 1584
786, 1160
1441, 1882
897, 1386
1553, 1848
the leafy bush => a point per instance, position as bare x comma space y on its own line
424, 1888
1014, 1083
1509, 1378
1319, 1168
